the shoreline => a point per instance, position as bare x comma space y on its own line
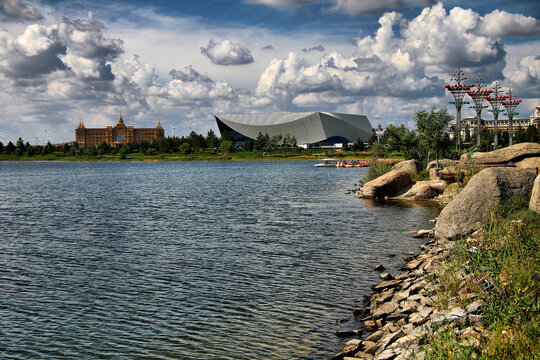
397, 309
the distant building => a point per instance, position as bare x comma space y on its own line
117, 135
502, 125
309, 128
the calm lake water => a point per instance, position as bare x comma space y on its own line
188, 260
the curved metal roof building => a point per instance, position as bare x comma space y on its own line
307, 127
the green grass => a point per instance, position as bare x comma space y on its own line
508, 247
377, 169
310, 154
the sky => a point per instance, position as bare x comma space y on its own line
181, 62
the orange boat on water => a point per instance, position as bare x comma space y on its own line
352, 163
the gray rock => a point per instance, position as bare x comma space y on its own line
369, 324
386, 285
370, 347
389, 339
465, 213
512, 153
387, 354
386, 276
442, 164
457, 315
410, 166
360, 355
385, 309
348, 333
476, 320
534, 204
406, 341
386, 184
411, 353
472, 308
355, 342
400, 296
377, 335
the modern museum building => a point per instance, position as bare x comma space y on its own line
309, 128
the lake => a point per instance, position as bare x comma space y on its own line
188, 260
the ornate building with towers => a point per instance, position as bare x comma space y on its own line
117, 135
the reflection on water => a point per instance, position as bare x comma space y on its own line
217, 260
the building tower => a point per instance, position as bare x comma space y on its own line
496, 109
458, 91
478, 97
510, 104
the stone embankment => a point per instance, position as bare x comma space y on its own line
404, 310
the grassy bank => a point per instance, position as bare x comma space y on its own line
508, 249
312, 154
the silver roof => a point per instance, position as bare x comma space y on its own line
307, 127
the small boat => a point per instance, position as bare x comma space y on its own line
352, 163
327, 163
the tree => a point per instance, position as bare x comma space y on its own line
65, 148
358, 145
260, 142
20, 146
1, 147
401, 139
519, 136
10, 148
249, 144
185, 148
531, 134
105, 147
227, 147
505, 139
432, 130
212, 140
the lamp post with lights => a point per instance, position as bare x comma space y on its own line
478, 97
510, 104
458, 91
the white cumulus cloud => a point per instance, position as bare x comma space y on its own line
226, 52
501, 23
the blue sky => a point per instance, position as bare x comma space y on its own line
183, 61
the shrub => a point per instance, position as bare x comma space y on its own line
377, 169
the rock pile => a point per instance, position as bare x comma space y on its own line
403, 311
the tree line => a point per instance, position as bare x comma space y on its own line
193, 143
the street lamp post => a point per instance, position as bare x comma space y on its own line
458, 91
478, 97
510, 106
496, 109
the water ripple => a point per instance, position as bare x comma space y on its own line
187, 260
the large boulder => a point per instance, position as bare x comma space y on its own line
534, 204
505, 155
410, 166
422, 190
465, 213
386, 185
529, 163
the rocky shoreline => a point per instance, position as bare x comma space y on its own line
405, 309
402, 311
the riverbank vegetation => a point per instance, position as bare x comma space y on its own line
194, 147
506, 250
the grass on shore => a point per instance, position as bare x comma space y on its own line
508, 247
312, 154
